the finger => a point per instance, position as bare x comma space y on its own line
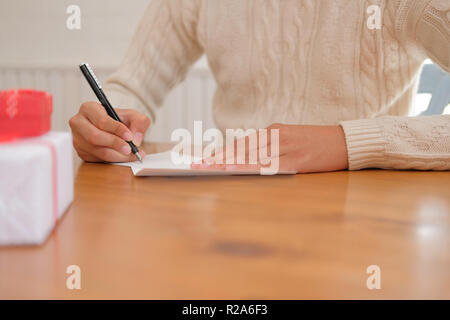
255, 144
254, 168
99, 138
227, 167
88, 158
253, 156
97, 115
250, 143
89, 152
110, 155
137, 122
207, 166
256, 148
288, 163
81, 146
217, 156
82, 153
285, 163
271, 165
238, 152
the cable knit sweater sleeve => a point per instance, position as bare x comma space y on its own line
161, 52
401, 142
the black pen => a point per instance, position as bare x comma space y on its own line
95, 85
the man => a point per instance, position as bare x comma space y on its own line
337, 90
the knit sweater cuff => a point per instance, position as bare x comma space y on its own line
365, 143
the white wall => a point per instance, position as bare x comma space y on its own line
38, 51
34, 32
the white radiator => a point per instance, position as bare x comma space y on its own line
190, 101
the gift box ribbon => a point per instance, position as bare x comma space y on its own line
54, 157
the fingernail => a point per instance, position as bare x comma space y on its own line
137, 140
127, 136
126, 150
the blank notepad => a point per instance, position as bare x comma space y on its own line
160, 164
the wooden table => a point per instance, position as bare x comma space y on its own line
282, 237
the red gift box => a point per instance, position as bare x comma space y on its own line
24, 113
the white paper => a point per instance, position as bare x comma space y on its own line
161, 164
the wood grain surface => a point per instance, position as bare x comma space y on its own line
257, 237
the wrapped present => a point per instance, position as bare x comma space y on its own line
36, 186
24, 113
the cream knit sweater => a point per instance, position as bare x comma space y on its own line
301, 62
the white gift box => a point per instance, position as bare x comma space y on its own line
36, 187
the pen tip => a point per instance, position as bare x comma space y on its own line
138, 156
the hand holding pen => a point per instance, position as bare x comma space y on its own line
98, 137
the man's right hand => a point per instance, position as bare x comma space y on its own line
99, 138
